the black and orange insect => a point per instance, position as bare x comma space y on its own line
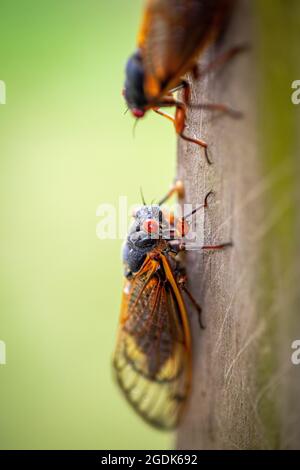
153, 356
172, 35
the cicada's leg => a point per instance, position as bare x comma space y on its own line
183, 84
196, 72
181, 281
176, 188
180, 120
178, 246
166, 115
179, 124
221, 108
205, 205
180, 273
220, 60
196, 306
217, 247
186, 87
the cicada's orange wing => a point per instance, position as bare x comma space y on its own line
153, 357
172, 34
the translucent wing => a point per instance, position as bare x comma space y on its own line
173, 32
152, 358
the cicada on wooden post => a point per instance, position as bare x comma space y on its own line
173, 34
153, 355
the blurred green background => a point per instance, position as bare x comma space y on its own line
66, 147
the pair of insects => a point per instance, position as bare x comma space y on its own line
153, 357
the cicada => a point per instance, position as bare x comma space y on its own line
172, 35
153, 355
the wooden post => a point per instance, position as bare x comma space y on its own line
242, 359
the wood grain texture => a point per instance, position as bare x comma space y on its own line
242, 358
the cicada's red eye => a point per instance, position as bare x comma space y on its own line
150, 226
182, 227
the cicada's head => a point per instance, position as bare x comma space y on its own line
134, 85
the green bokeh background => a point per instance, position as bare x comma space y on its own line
67, 147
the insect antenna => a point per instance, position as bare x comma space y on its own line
126, 110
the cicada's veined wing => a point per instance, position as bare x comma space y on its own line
173, 32
153, 357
